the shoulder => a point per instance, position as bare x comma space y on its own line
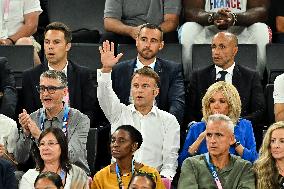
198, 126
124, 64
165, 116
36, 70
149, 169
279, 79
31, 175
7, 121
103, 172
77, 115
245, 70
195, 161
238, 162
244, 122
3, 61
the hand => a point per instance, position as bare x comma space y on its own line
5, 42
223, 19
107, 56
2, 150
135, 31
28, 125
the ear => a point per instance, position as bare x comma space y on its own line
235, 50
134, 147
161, 45
232, 139
68, 47
65, 91
156, 91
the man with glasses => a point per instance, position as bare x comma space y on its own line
54, 113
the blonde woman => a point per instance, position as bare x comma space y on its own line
269, 167
221, 98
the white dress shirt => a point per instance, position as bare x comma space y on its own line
160, 129
228, 76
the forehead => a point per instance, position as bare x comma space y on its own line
278, 133
49, 136
221, 39
217, 94
44, 183
54, 34
143, 182
217, 127
142, 79
150, 33
121, 134
46, 80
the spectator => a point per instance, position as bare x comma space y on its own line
224, 49
160, 130
278, 96
18, 22
205, 18
124, 142
48, 180
276, 20
123, 19
7, 175
52, 155
8, 93
222, 98
81, 82
269, 167
8, 138
142, 181
171, 96
55, 113
217, 168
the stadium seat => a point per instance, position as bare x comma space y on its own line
201, 56
91, 146
86, 54
270, 103
171, 51
274, 61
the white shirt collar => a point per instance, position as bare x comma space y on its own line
140, 65
153, 110
64, 70
229, 70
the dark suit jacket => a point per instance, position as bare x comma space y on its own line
81, 86
7, 175
244, 79
171, 96
8, 89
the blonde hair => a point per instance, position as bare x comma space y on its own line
265, 167
231, 95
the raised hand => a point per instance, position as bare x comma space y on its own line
108, 58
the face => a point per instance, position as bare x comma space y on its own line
277, 144
45, 183
49, 148
56, 47
218, 138
140, 183
149, 43
52, 101
121, 144
224, 50
218, 104
144, 91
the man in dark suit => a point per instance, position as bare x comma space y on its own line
149, 42
224, 48
7, 175
8, 93
81, 80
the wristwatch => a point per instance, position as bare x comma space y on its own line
236, 144
210, 18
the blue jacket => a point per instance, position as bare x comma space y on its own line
243, 133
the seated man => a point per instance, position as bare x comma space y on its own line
217, 168
7, 175
18, 22
81, 80
8, 93
171, 95
224, 49
123, 19
8, 138
278, 96
55, 113
205, 18
160, 130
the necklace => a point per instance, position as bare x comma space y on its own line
118, 174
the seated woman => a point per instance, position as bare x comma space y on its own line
142, 180
223, 98
124, 142
48, 180
269, 167
52, 156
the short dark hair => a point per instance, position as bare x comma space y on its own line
60, 27
153, 27
147, 176
134, 134
53, 177
149, 72
54, 74
62, 141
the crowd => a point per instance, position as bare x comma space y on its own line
170, 126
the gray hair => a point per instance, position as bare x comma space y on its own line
53, 74
222, 117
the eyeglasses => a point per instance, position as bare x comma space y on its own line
50, 89
49, 144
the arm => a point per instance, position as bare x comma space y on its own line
170, 23
188, 176
77, 140
176, 94
279, 23
247, 177
8, 85
171, 145
279, 111
278, 95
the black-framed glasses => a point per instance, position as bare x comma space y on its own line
50, 89
49, 144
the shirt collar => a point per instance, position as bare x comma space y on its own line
140, 65
229, 70
64, 70
59, 116
153, 110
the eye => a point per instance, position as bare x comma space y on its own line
209, 135
223, 101
272, 140
211, 100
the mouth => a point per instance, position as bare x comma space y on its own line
114, 152
47, 100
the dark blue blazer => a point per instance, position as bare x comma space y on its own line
7, 175
171, 96
246, 81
